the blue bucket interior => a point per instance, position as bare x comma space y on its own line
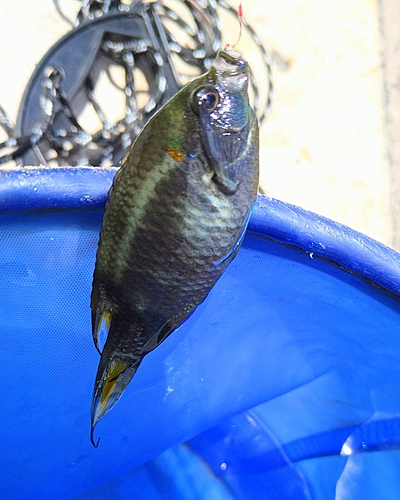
285, 382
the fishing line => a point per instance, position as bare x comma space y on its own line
59, 138
228, 46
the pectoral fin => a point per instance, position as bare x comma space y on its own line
231, 254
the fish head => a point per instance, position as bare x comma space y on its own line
226, 119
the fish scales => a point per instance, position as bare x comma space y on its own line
175, 218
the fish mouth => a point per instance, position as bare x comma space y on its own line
230, 63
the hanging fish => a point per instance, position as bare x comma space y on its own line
176, 217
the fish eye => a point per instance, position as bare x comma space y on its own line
208, 98
209, 101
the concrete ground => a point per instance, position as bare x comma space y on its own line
326, 145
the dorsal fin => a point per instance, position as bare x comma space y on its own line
101, 329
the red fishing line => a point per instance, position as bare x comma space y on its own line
240, 16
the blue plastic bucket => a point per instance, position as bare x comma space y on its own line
284, 384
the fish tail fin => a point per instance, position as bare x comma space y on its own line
114, 373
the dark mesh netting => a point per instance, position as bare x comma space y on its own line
92, 92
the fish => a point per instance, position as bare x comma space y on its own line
176, 215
